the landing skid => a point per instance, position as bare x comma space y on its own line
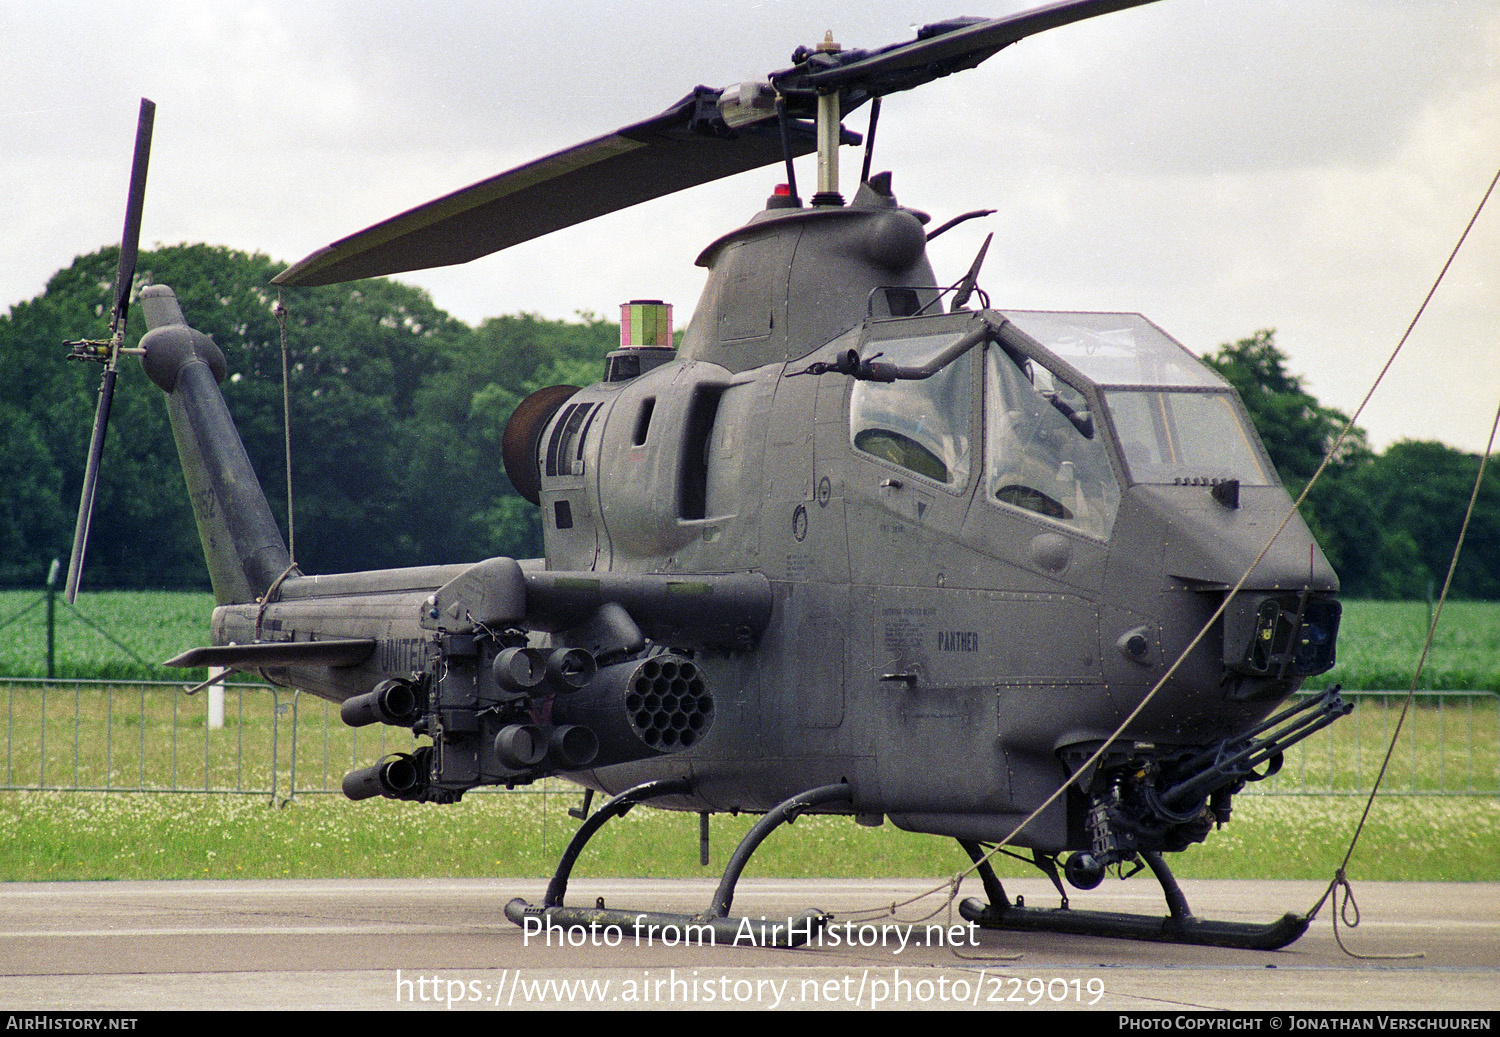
713, 926
1178, 926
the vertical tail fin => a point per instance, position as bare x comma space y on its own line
241, 542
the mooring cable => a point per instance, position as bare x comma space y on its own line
952, 885
279, 310
1340, 877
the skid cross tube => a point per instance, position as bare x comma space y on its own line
788, 811
618, 806
1179, 926
713, 926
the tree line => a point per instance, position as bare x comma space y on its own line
397, 411
1388, 521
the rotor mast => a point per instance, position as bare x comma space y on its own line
829, 128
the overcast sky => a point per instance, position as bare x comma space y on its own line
1218, 166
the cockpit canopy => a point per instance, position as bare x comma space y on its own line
1176, 420
1056, 387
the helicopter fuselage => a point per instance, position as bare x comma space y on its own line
939, 557
944, 631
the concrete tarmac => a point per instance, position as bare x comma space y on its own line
445, 944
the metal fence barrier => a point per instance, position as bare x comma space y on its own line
1449, 745
146, 736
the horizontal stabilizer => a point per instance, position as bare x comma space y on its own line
349, 652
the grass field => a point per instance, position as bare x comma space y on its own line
1378, 643
127, 737
124, 739
52, 835
107, 635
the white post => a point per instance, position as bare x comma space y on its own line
216, 698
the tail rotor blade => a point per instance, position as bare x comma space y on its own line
90, 485
124, 278
131, 237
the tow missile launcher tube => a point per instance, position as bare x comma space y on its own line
391, 702
395, 777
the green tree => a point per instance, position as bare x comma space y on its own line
397, 413
1387, 522
140, 506
1421, 490
1296, 429
1298, 432
31, 512
472, 398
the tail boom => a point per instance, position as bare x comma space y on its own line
242, 544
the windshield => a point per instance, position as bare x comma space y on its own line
1117, 348
1185, 438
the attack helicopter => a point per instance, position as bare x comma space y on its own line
857, 546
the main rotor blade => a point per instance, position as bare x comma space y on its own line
684, 146
687, 145
940, 50
130, 238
